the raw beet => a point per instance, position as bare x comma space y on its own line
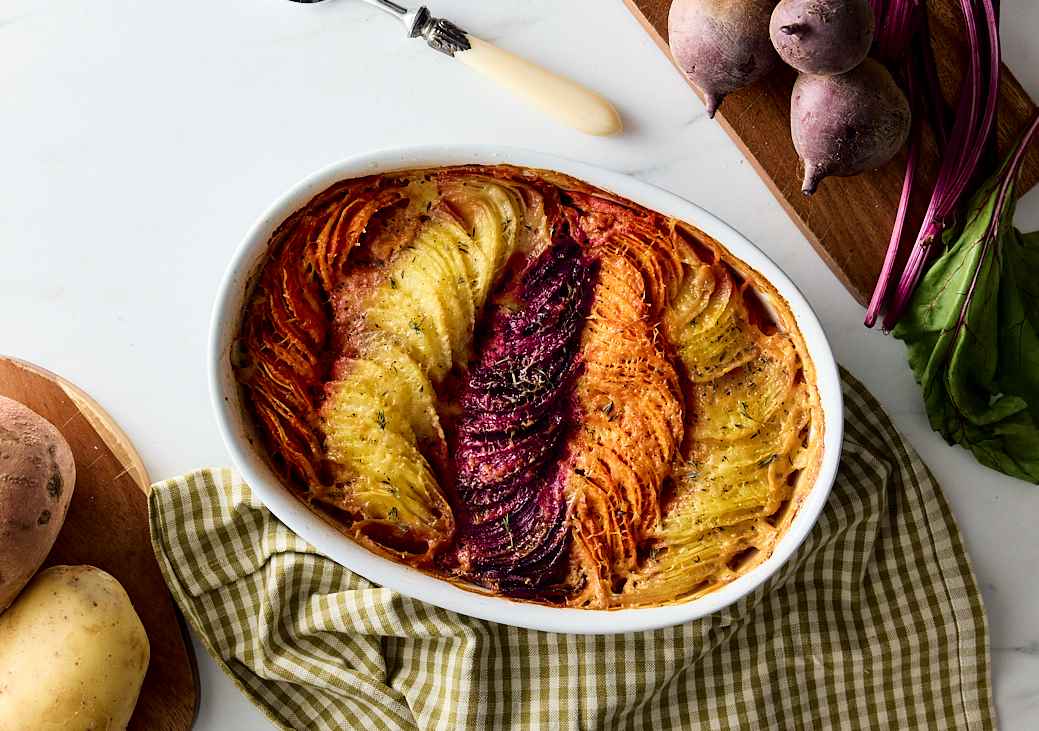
848, 123
822, 36
721, 45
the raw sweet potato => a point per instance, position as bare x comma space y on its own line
37, 476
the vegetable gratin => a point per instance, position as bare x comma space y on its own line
529, 386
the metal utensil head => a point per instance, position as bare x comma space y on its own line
441, 35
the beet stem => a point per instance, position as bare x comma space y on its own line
938, 110
897, 23
975, 115
880, 292
990, 237
1010, 175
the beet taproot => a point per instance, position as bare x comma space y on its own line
823, 37
721, 45
848, 123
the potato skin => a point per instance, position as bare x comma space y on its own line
37, 477
73, 653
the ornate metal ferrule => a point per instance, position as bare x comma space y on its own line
443, 35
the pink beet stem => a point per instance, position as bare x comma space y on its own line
880, 292
991, 233
966, 145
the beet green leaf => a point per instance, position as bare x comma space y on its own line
972, 334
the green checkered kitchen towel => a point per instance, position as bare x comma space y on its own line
875, 623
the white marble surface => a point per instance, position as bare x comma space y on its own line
138, 141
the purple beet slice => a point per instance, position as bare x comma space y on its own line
509, 448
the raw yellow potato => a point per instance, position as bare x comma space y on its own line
73, 653
37, 475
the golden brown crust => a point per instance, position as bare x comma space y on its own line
678, 330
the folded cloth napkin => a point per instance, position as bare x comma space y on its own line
876, 622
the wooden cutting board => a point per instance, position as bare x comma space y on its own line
848, 220
107, 527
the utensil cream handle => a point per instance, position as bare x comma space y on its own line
556, 96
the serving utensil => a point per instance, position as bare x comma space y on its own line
557, 96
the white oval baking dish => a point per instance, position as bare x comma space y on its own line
245, 449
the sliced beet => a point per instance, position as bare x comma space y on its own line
516, 413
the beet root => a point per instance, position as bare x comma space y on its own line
848, 123
721, 45
822, 36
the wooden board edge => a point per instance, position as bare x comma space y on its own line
100, 421
110, 432
185, 632
120, 444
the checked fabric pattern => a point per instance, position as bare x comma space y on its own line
876, 622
